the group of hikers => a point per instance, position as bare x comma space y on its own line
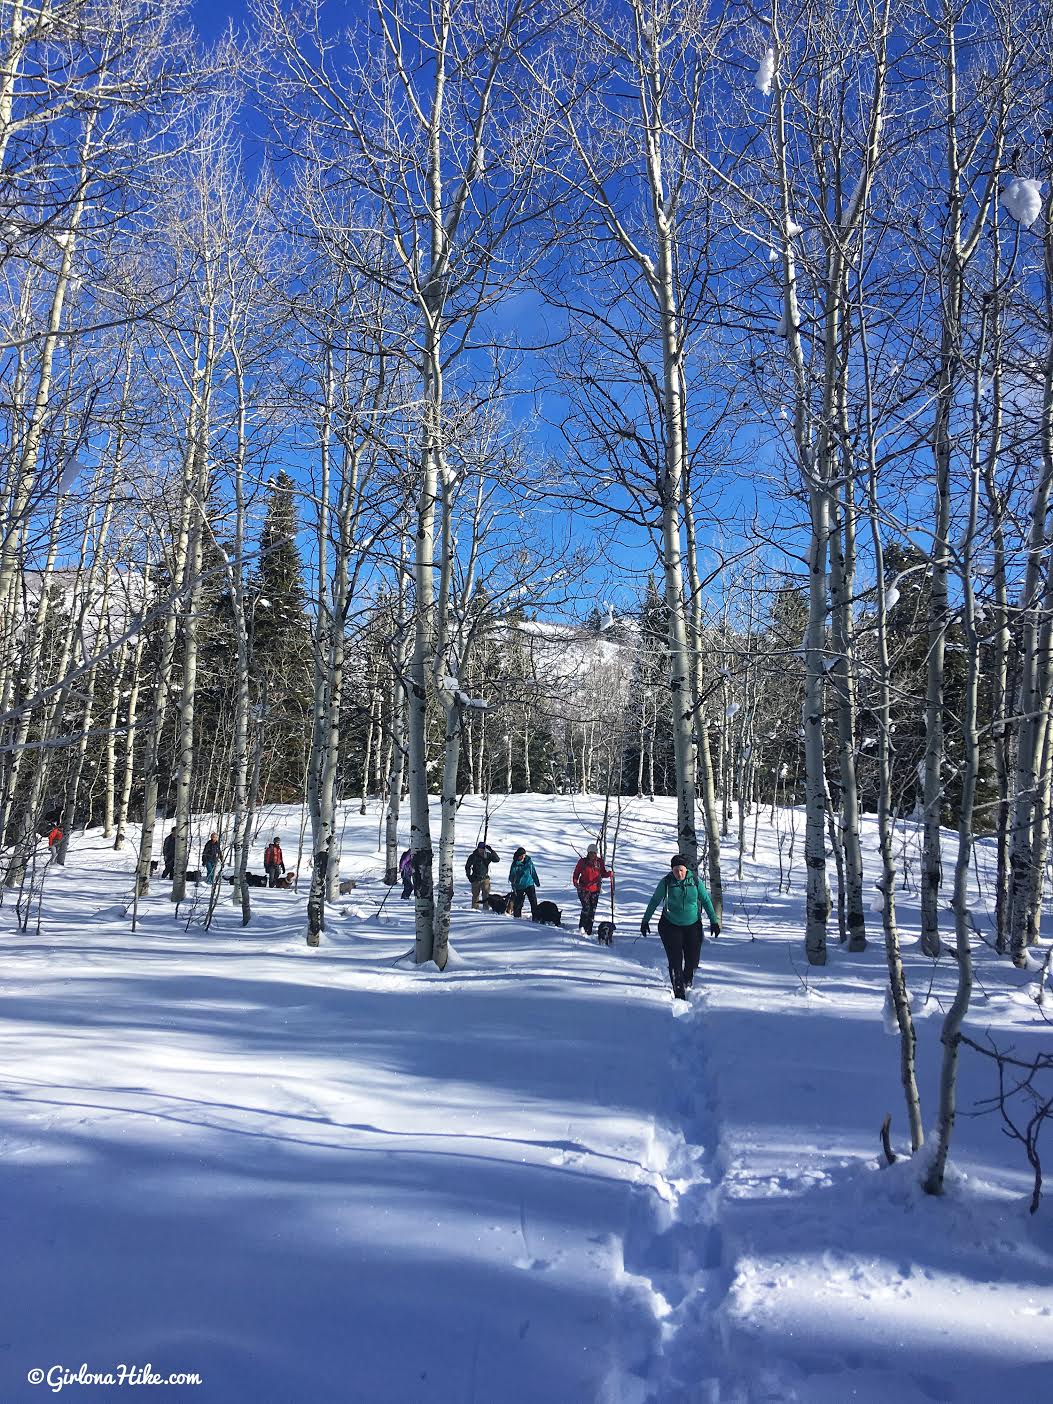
681, 894
212, 858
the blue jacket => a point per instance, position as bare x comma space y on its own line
522, 874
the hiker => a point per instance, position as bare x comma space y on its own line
168, 854
477, 871
522, 879
54, 837
273, 861
680, 925
588, 878
211, 856
406, 874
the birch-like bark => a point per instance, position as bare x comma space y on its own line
957, 252
955, 1017
885, 815
1036, 674
196, 492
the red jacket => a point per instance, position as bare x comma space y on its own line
273, 857
589, 873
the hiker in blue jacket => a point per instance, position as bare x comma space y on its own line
681, 894
522, 878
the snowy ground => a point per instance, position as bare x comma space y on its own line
313, 1176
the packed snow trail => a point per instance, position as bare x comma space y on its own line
321, 1176
314, 1176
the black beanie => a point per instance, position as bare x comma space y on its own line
677, 859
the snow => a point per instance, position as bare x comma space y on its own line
765, 72
1023, 199
793, 229
329, 1175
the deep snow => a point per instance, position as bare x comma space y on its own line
325, 1175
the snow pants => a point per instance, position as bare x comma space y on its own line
530, 893
407, 886
274, 872
683, 946
589, 901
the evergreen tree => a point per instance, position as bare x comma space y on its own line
280, 643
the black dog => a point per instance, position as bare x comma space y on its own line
605, 933
548, 914
193, 874
502, 905
255, 880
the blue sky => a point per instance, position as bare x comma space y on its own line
626, 556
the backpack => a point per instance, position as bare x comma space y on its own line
270, 858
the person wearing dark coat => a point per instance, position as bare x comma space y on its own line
406, 874
211, 856
683, 896
522, 878
477, 871
168, 854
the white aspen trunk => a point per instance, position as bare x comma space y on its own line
196, 488
371, 740
842, 589
11, 66
73, 783
424, 646
25, 475
448, 816
671, 495
185, 723
32, 647
1040, 826
397, 714
130, 733
1034, 701
885, 816
240, 837
952, 1024
703, 756
957, 251
999, 643
109, 798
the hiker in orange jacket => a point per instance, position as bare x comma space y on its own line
273, 862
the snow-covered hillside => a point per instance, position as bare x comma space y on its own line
313, 1176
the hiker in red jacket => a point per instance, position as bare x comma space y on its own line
588, 876
273, 862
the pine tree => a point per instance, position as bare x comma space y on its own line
280, 642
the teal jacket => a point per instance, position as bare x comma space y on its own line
522, 874
681, 900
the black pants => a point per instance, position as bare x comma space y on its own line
517, 901
589, 901
273, 874
407, 886
683, 946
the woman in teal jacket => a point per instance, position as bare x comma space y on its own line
522, 878
680, 925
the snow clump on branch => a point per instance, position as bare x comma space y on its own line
1023, 199
765, 72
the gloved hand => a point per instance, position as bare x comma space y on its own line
645, 928
714, 928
